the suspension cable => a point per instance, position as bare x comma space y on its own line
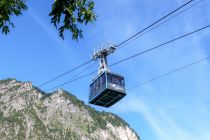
163, 44
140, 53
73, 78
168, 73
65, 73
160, 24
132, 37
155, 23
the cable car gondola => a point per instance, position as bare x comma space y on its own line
107, 88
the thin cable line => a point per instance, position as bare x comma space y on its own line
168, 42
73, 78
65, 73
140, 35
69, 71
154, 23
163, 44
170, 72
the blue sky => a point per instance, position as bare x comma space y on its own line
175, 107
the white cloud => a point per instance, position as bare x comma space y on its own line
163, 124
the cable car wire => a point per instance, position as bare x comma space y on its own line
140, 53
118, 46
73, 78
158, 46
172, 12
65, 73
143, 33
170, 72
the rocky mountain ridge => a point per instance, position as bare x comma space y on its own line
28, 113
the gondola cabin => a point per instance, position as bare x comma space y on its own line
107, 89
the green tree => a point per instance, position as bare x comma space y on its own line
7, 9
66, 15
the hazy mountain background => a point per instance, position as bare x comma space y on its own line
28, 113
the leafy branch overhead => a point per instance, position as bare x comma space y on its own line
66, 15
72, 13
7, 9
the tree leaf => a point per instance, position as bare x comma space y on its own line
75, 13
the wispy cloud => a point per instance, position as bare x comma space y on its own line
63, 48
162, 123
46, 27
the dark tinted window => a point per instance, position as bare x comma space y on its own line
103, 81
115, 79
98, 85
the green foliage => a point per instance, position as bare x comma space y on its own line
72, 135
7, 9
73, 13
39, 127
5, 81
40, 91
1, 115
80, 104
14, 88
40, 106
115, 120
100, 118
15, 117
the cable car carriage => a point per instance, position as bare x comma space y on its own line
107, 88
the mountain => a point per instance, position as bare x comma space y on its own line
28, 113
